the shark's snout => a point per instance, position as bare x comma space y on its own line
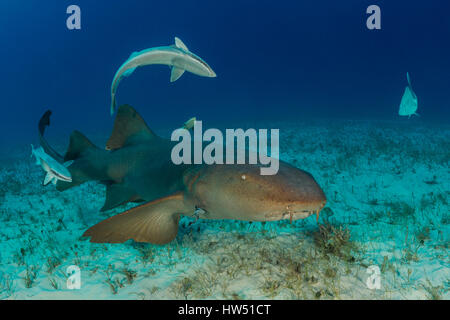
212, 74
240, 192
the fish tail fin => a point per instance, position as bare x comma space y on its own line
85, 160
113, 105
43, 123
409, 83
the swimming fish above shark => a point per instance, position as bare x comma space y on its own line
177, 56
189, 124
409, 103
54, 170
137, 167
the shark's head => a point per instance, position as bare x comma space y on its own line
194, 64
199, 66
241, 192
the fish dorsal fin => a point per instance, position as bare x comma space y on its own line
129, 128
134, 54
180, 44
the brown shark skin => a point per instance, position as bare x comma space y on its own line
138, 164
239, 192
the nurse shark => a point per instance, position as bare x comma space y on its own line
136, 166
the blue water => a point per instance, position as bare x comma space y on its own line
273, 60
310, 68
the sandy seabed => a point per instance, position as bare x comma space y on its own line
388, 188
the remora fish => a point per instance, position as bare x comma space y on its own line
188, 125
177, 56
139, 168
55, 170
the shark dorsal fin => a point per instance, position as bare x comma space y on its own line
129, 128
180, 44
78, 144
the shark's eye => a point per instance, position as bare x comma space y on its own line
243, 177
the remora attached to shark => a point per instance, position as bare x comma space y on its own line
138, 167
176, 56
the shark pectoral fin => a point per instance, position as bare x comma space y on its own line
176, 74
154, 222
180, 44
116, 195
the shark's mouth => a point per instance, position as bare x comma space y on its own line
290, 215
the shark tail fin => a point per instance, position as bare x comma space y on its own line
82, 158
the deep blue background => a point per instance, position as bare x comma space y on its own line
274, 60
